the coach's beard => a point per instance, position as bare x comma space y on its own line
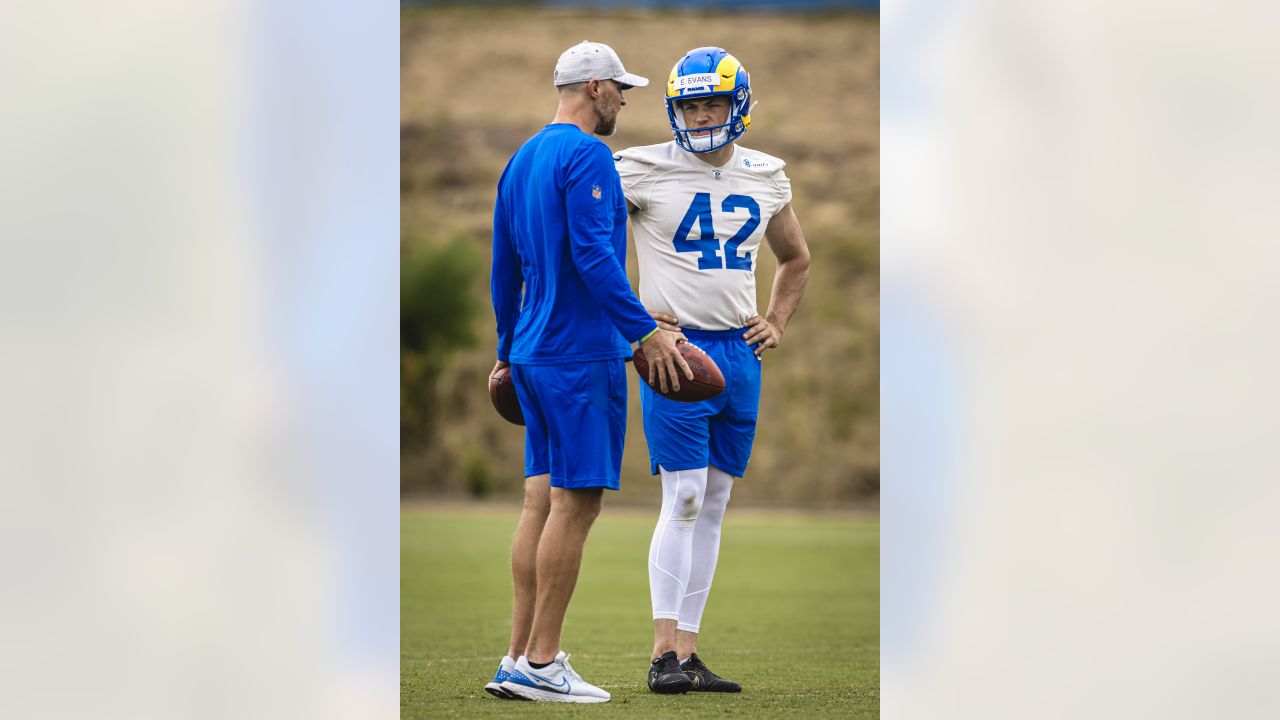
605, 124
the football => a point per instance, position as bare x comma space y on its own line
502, 393
707, 381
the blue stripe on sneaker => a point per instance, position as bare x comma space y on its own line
516, 676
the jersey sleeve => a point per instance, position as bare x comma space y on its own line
506, 279
782, 186
635, 177
592, 191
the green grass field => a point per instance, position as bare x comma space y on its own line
793, 616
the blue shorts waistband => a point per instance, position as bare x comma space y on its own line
695, 334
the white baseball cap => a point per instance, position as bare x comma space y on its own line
594, 61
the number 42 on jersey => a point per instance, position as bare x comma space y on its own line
711, 258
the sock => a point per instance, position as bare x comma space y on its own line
705, 549
538, 666
672, 545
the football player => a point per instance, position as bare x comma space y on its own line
700, 206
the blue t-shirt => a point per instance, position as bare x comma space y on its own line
560, 229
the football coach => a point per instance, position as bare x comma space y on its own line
559, 234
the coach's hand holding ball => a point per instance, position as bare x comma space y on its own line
664, 357
500, 365
502, 393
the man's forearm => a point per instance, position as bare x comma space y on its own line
788, 288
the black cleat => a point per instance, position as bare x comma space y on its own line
666, 677
704, 680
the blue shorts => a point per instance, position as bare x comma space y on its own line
719, 431
575, 419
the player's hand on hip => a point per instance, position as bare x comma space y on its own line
665, 359
763, 334
666, 321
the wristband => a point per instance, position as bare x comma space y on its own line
651, 334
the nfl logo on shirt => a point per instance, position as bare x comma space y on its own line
595, 191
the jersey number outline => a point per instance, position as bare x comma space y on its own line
700, 212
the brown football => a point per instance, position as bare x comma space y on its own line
707, 382
502, 393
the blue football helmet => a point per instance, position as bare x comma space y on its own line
703, 72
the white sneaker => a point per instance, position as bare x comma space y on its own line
556, 682
494, 687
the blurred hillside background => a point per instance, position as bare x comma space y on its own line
476, 83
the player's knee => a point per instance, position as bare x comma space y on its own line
687, 506
717, 500
719, 486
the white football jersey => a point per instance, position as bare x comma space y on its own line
698, 228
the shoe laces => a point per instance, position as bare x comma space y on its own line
568, 669
669, 664
695, 664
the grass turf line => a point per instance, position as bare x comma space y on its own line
793, 616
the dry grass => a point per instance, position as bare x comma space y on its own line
476, 84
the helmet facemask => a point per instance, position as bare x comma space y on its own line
704, 139
712, 137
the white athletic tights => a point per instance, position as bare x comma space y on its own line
686, 543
